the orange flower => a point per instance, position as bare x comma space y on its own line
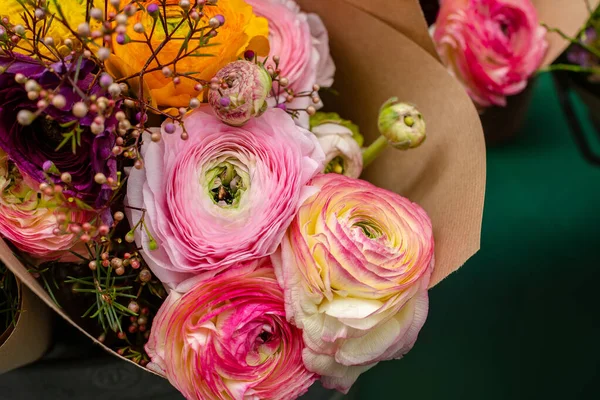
241, 31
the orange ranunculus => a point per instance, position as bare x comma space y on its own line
242, 30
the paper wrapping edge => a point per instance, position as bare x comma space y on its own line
31, 337
11, 261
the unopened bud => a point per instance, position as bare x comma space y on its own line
59, 101
121, 19
65, 177
100, 178
25, 117
84, 29
114, 90
31, 85
97, 14
103, 53
80, 109
401, 124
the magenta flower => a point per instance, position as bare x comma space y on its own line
33, 148
492, 46
355, 265
224, 196
227, 338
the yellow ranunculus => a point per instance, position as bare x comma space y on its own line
73, 10
242, 30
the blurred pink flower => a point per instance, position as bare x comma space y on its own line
228, 338
355, 265
225, 195
28, 218
492, 46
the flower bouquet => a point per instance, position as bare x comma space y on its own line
495, 47
182, 186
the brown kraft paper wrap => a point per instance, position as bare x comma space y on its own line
30, 338
446, 175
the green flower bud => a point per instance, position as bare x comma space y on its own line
401, 124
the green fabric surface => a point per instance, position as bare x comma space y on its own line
520, 320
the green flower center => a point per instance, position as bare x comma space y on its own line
226, 184
335, 166
371, 230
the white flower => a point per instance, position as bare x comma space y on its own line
342, 153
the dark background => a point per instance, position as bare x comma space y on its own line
519, 321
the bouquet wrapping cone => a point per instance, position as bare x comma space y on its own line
375, 61
29, 339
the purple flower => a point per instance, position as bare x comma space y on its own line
580, 56
34, 147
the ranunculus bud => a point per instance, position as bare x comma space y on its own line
401, 124
247, 87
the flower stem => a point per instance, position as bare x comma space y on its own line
589, 48
570, 68
374, 150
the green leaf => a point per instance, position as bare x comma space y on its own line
67, 137
200, 55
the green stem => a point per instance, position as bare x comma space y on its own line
571, 68
374, 150
572, 40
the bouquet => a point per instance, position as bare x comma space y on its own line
177, 185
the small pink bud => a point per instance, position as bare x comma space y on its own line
103, 230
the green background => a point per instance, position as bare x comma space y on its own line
520, 320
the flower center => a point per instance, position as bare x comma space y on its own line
370, 229
266, 344
50, 130
336, 165
226, 185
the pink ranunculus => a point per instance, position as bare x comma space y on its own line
492, 46
227, 338
355, 265
302, 44
28, 218
225, 195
